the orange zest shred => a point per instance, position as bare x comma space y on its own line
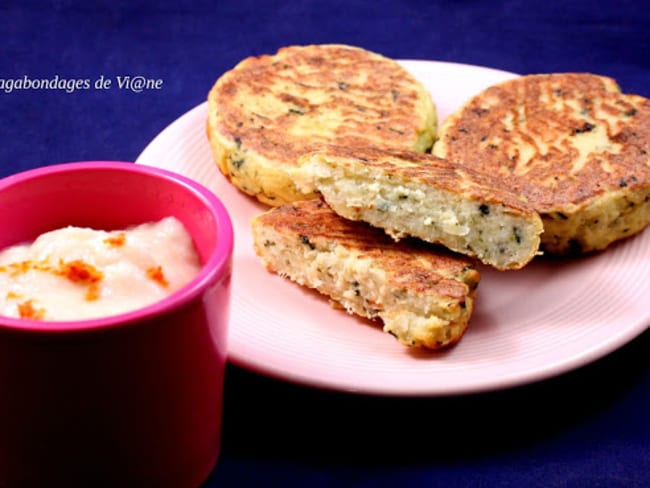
26, 310
79, 271
116, 240
156, 274
20, 267
92, 292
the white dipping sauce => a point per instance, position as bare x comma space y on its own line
77, 273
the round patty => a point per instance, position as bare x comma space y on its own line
269, 110
572, 144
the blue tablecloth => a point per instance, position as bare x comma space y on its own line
585, 428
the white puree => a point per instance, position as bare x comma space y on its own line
76, 273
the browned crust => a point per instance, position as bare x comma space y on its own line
454, 177
546, 114
332, 69
412, 264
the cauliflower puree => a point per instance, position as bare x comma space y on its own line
77, 273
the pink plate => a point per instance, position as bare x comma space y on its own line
547, 319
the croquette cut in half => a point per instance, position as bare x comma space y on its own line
268, 110
572, 144
424, 294
423, 196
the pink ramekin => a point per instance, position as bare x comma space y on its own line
129, 400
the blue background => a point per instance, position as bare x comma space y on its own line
586, 428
